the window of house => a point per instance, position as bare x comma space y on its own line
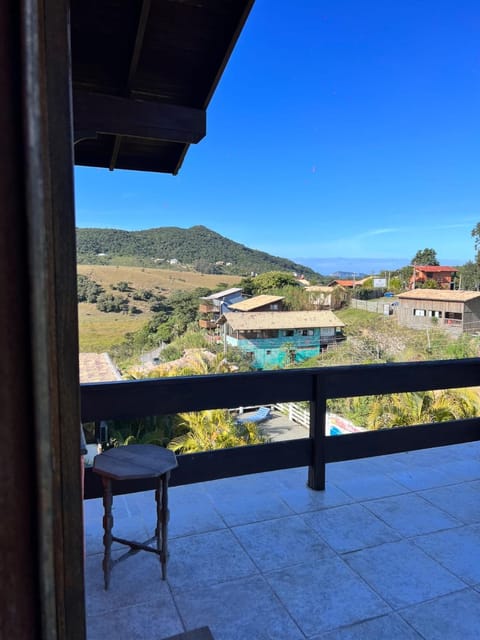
450, 315
268, 352
419, 312
274, 307
289, 333
306, 332
270, 333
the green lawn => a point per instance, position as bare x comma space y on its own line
99, 331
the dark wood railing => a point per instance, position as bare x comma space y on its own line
163, 396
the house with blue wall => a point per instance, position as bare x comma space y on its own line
212, 307
273, 339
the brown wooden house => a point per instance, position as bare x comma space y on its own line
263, 302
456, 310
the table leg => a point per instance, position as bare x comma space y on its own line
107, 527
161, 532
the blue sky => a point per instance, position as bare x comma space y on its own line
339, 128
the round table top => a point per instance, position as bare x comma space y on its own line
134, 461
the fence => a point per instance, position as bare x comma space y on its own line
374, 306
301, 415
295, 412
133, 399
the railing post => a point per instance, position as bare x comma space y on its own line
318, 411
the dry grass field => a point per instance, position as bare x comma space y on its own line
98, 331
143, 278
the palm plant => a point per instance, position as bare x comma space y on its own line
214, 429
421, 407
157, 430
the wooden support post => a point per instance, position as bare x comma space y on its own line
42, 581
318, 410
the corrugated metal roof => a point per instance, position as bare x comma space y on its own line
222, 294
439, 294
255, 302
250, 321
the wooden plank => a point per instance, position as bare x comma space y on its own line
396, 440
61, 313
318, 412
212, 465
123, 400
343, 382
137, 48
19, 585
50, 253
97, 113
240, 22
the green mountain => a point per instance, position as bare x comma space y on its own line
195, 248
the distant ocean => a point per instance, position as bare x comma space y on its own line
367, 266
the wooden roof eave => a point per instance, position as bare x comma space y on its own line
147, 109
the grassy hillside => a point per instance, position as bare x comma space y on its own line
166, 280
196, 248
98, 331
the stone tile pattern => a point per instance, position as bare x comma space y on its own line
390, 550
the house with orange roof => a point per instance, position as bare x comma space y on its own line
348, 284
442, 276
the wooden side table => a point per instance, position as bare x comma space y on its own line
133, 462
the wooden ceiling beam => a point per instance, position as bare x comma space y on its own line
137, 49
139, 37
97, 113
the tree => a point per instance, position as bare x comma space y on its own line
421, 407
214, 429
87, 289
396, 284
428, 284
426, 257
476, 236
470, 276
268, 282
121, 286
111, 304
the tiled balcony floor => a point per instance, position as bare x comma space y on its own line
390, 550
